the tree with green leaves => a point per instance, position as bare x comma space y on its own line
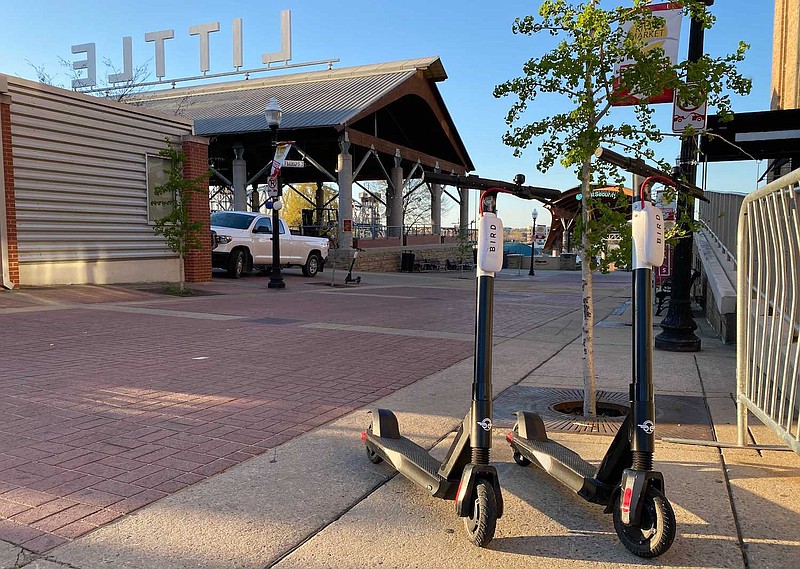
180, 231
580, 69
303, 196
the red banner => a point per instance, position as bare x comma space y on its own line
665, 35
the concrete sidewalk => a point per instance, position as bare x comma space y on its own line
315, 501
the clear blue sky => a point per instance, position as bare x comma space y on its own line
473, 39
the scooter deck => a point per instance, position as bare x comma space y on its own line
412, 461
411, 451
559, 461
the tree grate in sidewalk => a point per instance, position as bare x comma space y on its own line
676, 415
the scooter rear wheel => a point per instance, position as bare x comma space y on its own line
521, 460
656, 529
482, 522
373, 456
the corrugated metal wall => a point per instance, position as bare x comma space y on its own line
80, 175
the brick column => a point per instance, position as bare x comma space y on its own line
198, 263
9, 199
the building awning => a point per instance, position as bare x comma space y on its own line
566, 208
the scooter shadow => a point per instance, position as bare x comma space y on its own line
562, 526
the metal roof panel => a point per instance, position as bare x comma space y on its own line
305, 104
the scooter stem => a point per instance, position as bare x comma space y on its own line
648, 251
489, 261
481, 437
642, 397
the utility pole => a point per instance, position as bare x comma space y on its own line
678, 325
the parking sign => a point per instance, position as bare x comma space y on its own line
272, 187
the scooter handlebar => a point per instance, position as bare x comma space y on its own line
640, 168
478, 183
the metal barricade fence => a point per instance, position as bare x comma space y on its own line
768, 309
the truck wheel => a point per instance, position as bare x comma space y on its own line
236, 264
311, 268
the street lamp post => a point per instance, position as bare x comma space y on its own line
534, 215
678, 325
273, 114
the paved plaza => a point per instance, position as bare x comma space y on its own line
221, 430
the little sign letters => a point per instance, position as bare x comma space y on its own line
159, 38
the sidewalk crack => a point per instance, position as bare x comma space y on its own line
728, 487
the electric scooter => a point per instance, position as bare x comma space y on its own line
625, 482
349, 278
465, 475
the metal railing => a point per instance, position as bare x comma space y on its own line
378, 231
768, 309
720, 216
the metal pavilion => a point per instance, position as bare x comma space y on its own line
385, 121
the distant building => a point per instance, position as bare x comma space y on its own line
786, 55
785, 70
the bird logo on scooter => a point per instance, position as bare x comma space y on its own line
648, 427
486, 424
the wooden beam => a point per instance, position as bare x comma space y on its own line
386, 147
421, 87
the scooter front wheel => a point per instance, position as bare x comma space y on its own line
482, 522
656, 529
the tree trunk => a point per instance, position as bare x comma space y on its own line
587, 330
182, 271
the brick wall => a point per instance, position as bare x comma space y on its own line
385, 260
8, 181
198, 263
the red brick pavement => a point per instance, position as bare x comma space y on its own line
103, 412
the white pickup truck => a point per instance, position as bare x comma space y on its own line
242, 241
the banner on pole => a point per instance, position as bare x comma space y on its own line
281, 151
665, 34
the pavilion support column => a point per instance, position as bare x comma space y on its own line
463, 210
255, 198
436, 208
319, 201
394, 201
239, 178
345, 169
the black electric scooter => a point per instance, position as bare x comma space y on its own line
465, 475
625, 482
349, 278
